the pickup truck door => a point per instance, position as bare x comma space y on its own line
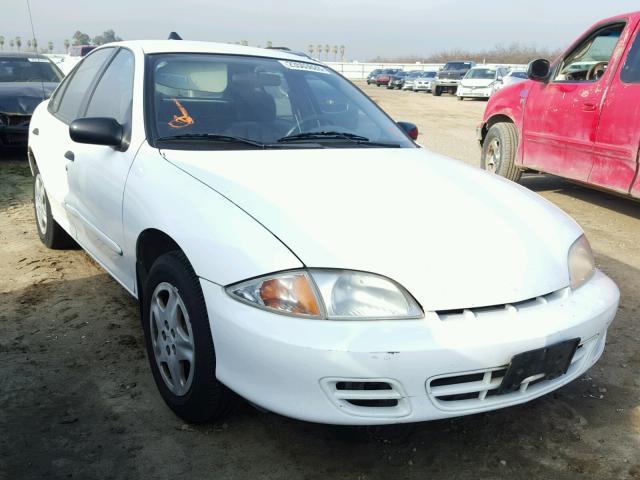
615, 163
97, 174
561, 116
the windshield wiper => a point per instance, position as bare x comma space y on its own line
213, 137
330, 135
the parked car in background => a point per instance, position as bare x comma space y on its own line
424, 83
577, 118
449, 77
26, 79
310, 294
480, 82
511, 78
371, 78
397, 80
75, 54
384, 77
410, 79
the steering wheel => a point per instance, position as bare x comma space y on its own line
320, 119
592, 73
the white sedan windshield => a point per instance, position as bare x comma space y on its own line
264, 100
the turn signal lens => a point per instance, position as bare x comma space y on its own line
286, 293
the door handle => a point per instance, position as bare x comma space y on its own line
69, 156
589, 107
35, 131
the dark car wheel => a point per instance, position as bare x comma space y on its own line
499, 151
179, 343
437, 91
51, 234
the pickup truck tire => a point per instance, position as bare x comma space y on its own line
437, 91
499, 151
51, 234
179, 342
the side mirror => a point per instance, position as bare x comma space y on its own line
539, 70
97, 131
410, 129
499, 79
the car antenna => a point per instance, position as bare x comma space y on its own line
33, 32
174, 36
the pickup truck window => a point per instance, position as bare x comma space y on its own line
589, 60
631, 70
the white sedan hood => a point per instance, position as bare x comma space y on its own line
477, 82
452, 235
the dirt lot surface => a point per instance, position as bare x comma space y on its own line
77, 398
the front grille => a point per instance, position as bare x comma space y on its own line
481, 313
367, 397
468, 390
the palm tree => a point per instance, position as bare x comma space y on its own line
18, 43
66, 45
327, 49
269, 44
319, 50
12, 44
1, 42
342, 49
35, 45
50, 46
310, 50
28, 44
335, 53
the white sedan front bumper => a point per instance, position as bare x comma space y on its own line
474, 92
379, 372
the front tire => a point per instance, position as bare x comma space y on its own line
51, 234
179, 343
499, 151
436, 91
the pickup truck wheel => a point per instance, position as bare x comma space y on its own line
436, 91
499, 151
51, 234
179, 343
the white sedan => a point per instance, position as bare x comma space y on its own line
289, 243
481, 82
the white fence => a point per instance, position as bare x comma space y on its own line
359, 71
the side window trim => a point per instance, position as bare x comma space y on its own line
91, 86
624, 23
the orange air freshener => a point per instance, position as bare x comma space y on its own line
182, 120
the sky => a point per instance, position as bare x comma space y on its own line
367, 28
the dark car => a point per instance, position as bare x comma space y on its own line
384, 77
26, 79
397, 80
450, 77
371, 78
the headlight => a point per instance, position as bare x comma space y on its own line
581, 263
328, 294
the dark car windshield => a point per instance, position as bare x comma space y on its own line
201, 97
28, 69
457, 66
518, 74
481, 73
428, 75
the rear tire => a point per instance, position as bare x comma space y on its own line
436, 91
51, 234
460, 98
499, 151
179, 344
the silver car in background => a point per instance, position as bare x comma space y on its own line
424, 82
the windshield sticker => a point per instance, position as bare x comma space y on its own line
41, 60
308, 67
182, 120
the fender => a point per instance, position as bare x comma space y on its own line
160, 196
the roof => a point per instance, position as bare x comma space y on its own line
188, 46
21, 54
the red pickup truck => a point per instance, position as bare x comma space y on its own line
578, 117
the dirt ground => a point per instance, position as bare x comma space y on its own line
77, 399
